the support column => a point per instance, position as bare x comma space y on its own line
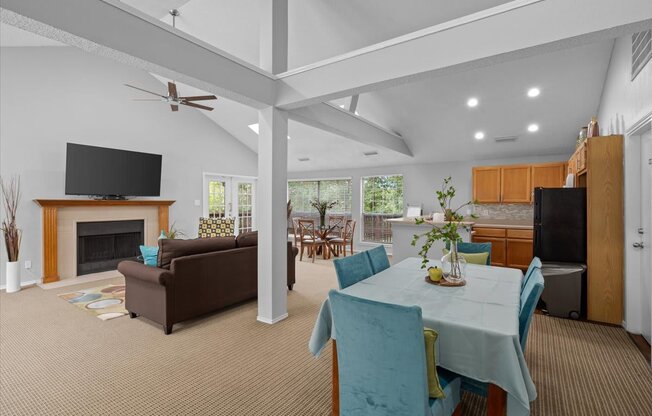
271, 210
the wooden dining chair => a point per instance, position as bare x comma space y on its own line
339, 243
295, 231
335, 225
384, 363
351, 270
308, 238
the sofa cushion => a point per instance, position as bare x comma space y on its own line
216, 227
247, 239
170, 249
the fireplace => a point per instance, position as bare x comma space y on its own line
101, 245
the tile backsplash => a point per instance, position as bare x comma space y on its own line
505, 211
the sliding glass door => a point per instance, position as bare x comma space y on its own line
231, 197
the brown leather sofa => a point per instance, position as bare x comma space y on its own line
195, 277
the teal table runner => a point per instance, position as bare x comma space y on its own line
477, 323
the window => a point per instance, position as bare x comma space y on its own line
302, 192
382, 198
641, 51
231, 196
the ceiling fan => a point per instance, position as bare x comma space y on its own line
174, 100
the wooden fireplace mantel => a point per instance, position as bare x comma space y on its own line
50, 209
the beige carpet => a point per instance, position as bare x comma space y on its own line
57, 360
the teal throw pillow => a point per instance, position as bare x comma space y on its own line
150, 254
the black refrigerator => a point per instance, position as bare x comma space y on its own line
560, 224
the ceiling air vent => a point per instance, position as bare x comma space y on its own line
641, 51
505, 139
370, 153
304, 159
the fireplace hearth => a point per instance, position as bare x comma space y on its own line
101, 245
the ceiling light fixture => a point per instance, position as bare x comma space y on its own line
533, 92
472, 102
479, 135
533, 128
255, 129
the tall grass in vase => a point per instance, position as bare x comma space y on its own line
11, 233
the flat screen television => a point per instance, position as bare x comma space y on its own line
111, 173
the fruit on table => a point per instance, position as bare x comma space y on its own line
435, 273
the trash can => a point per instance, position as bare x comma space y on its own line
564, 292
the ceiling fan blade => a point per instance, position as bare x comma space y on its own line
172, 89
174, 107
149, 92
203, 107
198, 98
148, 99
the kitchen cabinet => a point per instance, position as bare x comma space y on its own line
548, 175
516, 184
509, 247
486, 184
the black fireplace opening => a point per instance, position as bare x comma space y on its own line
101, 245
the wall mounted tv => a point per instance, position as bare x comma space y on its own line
111, 173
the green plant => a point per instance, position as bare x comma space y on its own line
322, 206
174, 233
452, 219
10, 201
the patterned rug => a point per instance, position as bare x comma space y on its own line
105, 302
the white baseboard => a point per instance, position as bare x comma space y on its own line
22, 284
271, 321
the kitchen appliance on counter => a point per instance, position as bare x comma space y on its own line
560, 242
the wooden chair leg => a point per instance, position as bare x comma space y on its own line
458, 410
314, 253
301, 255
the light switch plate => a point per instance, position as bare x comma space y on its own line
28, 264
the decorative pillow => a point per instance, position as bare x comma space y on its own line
216, 227
150, 254
473, 258
434, 388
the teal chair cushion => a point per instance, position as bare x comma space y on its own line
378, 259
150, 255
529, 298
471, 248
382, 361
534, 264
352, 269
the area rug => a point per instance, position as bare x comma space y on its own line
105, 302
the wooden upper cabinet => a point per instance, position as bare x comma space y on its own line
516, 183
548, 175
486, 184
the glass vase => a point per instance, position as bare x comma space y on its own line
322, 221
453, 265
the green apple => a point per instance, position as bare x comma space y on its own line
435, 273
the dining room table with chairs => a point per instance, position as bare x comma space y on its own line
481, 332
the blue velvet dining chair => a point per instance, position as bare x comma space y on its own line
378, 259
529, 298
534, 264
382, 360
352, 269
472, 248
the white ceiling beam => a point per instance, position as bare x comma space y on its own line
354, 103
339, 121
274, 35
511, 31
112, 28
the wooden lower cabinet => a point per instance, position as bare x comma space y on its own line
509, 247
519, 253
498, 248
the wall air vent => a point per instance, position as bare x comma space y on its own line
371, 153
304, 159
505, 139
641, 51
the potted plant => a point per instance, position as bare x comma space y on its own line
453, 264
12, 234
322, 207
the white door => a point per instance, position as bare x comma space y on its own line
646, 233
231, 197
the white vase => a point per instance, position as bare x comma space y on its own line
13, 276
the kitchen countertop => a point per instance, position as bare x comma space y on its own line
495, 223
411, 221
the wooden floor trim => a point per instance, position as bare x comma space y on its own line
642, 345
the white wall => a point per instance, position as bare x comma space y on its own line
420, 181
624, 102
51, 96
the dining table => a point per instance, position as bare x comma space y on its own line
478, 327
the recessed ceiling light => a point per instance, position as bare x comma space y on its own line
533, 92
303, 159
472, 102
533, 128
370, 153
479, 135
254, 128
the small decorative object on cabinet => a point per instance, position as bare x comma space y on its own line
584, 133
593, 128
453, 264
12, 234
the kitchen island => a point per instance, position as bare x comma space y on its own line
404, 229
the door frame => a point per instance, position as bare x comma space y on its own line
229, 195
633, 309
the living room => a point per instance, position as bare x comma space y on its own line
116, 81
